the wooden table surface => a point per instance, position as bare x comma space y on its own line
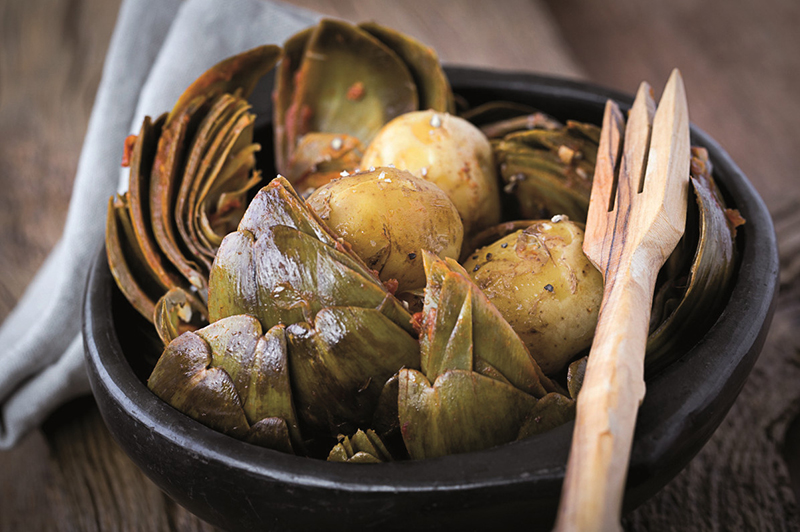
741, 63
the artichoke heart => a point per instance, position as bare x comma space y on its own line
696, 280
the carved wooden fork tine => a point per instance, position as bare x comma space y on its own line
637, 214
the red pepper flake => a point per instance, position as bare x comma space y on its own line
356, 91
735, 219
391, 285
127, 150
416, 322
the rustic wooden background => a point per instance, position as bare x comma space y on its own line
741, 63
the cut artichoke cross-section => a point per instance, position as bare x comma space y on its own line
549, 171
162, 234
337, 85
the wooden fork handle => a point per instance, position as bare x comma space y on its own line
607, 406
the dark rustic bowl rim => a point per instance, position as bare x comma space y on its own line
686, 414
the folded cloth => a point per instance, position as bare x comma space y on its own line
158, 48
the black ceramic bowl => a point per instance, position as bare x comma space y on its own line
239, 486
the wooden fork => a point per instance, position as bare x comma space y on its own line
637, 215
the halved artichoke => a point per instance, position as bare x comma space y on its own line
549, 170
695, 282
348, 80
190, 174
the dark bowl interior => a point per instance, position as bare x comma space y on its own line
239, 486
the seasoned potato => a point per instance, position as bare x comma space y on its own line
445, 150
542, 283
389, 216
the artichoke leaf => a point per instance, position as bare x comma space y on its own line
239, 72
433, 87
491, 338
279, 204
575, 373
362, 448
340, 363
704, 289
551, 411
177, 312
269, 393
164, 187
461, 412
453, 314
141, 163
126, 259
272, 433
285, 118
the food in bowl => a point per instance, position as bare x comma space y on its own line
285, 299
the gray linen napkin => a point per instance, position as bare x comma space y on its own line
158, 48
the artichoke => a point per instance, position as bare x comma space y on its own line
190, 175
549, 171
696, 280
362, 448
348, 81
346, 334
234, 379
478, 385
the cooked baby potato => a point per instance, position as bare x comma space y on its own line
445, 150
389, 216
545, 287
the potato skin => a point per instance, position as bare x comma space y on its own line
447, 151
542, 283
389, 216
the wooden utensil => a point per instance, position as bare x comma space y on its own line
637, 215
